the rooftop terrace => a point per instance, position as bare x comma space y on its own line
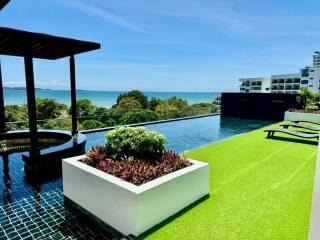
260, 189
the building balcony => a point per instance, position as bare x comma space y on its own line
256, 88
289, 80
295, 87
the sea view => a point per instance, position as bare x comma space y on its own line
102, 98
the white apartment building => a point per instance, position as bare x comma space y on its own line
255, 84
316, 59
285, 83
308, 77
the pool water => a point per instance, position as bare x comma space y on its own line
21, 200
193, 133
181, 136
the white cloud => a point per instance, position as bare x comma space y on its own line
105, 64
14, 84
53, 84
103, 14
41, 84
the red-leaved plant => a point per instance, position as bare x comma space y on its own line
133, 170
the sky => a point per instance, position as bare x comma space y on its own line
167, 45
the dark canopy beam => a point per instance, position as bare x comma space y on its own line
3, 3
31, 99
73, 96
2, 109
14, 42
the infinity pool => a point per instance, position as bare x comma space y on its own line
181, 136
193, 133
24, 203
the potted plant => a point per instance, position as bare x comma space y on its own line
132, 182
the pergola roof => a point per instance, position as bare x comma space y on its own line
3, 3
15, 42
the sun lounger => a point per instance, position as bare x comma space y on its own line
272, 131
297, 125
303, 121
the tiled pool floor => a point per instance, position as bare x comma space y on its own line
38, 211
45, 216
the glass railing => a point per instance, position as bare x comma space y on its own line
109, 119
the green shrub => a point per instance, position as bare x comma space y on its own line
58, 123
126, 142
17, 116
312, 108
167, 111
305, 98
50, 109
92, 124
109, 122
203, 108
153, 103
177, 102
139, 116
125, 105
85, 108
104, 115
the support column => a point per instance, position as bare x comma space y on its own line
73, 96
31, 99
2, 109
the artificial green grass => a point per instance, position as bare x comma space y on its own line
259, 189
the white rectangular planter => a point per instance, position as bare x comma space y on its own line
129, 208
298, 116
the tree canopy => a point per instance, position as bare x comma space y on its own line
48, 108
137, 95
131, 107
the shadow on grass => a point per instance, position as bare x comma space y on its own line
295, 140
172, 218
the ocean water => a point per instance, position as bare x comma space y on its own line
103, 98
